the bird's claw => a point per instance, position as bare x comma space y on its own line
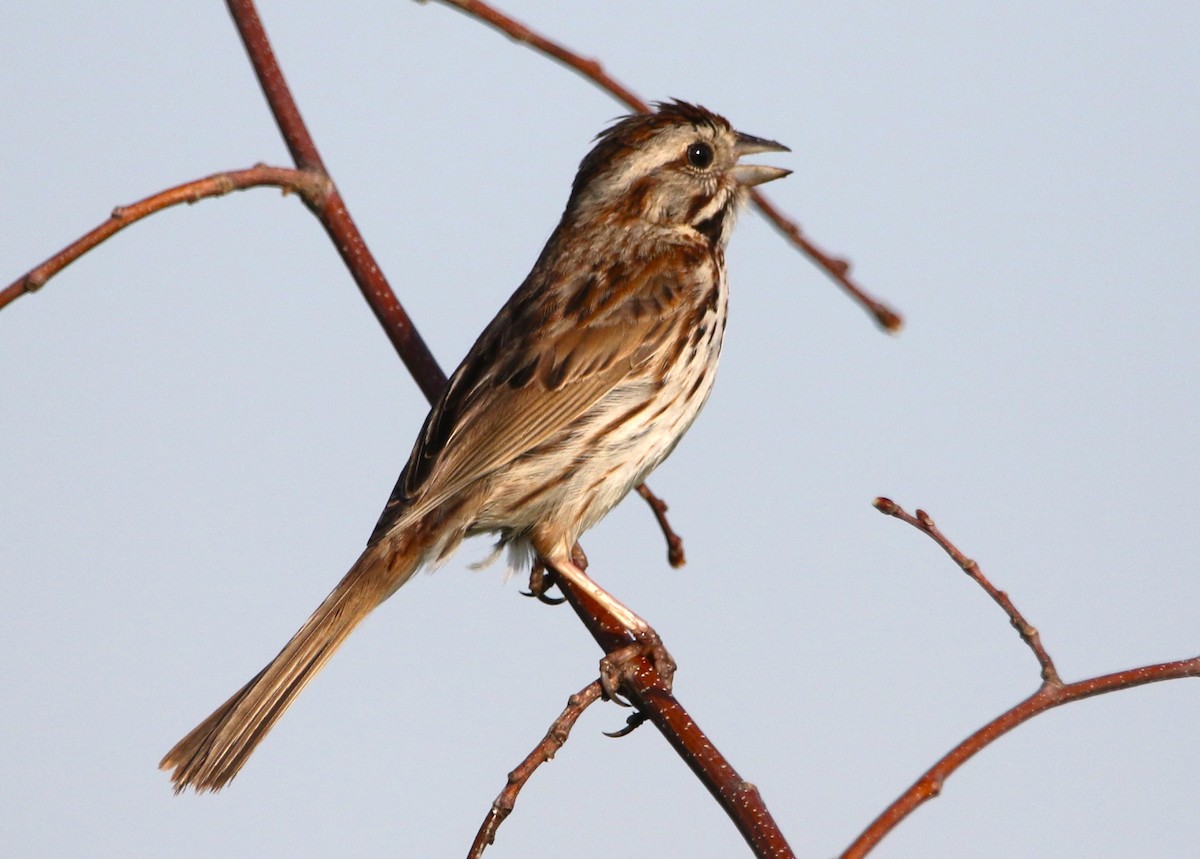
540, 581
622, 663
635, 721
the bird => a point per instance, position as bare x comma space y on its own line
584, 382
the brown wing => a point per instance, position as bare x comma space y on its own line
535, 370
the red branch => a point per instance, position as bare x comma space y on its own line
1046, 698
545, 750
331, 211
836, 268
1052, 693
306, 184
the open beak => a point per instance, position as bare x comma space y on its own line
756, 174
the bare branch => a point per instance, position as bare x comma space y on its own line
307, 185
518, 32
836, 268
544, 751
1052, 692
675, 556
652, 696
1046, 698
332, 213
1028, 632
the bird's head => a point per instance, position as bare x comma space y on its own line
677, 167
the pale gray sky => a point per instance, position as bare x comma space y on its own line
202, 420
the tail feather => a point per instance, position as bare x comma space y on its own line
215, 750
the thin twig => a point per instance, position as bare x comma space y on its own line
838, 269
675, 556
1028, 632
306, 184
1046, 698
518, 32
544, 751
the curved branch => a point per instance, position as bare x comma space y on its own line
838, 269
1052, 693
306, 184
1046, 698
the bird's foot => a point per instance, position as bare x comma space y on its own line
625, 663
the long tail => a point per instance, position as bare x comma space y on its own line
212, 754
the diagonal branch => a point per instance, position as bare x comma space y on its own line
544, 751
653, 698
332, 212
1029, 634
838, 269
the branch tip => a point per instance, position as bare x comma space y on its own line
888, 319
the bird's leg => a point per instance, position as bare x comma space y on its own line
541, 578
617, 663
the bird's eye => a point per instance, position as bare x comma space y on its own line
700, 155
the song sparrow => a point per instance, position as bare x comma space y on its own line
585, 381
